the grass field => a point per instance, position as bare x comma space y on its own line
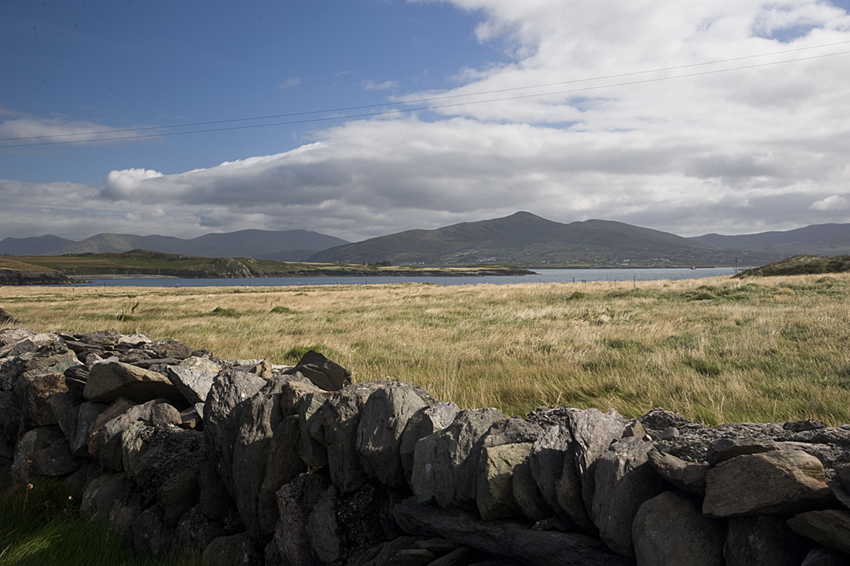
713, 350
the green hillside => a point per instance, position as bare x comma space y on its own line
158, 264
801, 265
528, 240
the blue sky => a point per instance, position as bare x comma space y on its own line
679, 137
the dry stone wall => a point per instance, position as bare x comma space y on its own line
254, 463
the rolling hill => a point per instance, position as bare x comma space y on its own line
528, 240
287, 245
819, 239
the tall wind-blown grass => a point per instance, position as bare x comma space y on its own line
713, 350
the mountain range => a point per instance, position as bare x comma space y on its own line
519, 239
287, 245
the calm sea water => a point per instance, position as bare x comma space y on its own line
540, 276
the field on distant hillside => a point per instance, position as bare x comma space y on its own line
714, 350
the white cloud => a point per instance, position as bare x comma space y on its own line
121, 185
290, 82
724, 151
834, 202
372, 85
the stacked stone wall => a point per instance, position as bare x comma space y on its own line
254, 463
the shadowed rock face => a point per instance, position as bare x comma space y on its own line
287, 473
108, 381
669, 529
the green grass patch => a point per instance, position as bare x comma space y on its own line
282, 310
40, 526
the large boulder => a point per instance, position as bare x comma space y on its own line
50, 357
165, 348
110, 380
106, 443
670, 530
91, 417
439, 470
527, 495
424, 422
221, 422
296, 500
784, 481
311, 448
762, 540
258, 420
830, 527
624, 480
342, 526
383, 419
194, 383
43, 451
505, 539
496, 469
101, 494
687, 476
340, 418
555, 471
148, 533
324, 373
283, 466
37, 390
502, 432
593, 432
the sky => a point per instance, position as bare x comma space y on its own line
360, 118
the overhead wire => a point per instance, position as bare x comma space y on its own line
404, 105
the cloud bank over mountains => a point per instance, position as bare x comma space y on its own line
643, 122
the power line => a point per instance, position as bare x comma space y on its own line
407, 103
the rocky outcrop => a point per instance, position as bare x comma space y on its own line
256, 463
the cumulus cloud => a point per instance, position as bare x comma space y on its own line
645, 120
120, 185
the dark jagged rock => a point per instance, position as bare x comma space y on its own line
109, 380
340, 418
43, 451
593, 432
505, 538
221, 418
425, 421
623, 481
830, 527
326, 374
670, 530
383, 419
762, 540
687, 476
296, 501
495, 498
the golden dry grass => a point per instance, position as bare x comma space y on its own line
713, 350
